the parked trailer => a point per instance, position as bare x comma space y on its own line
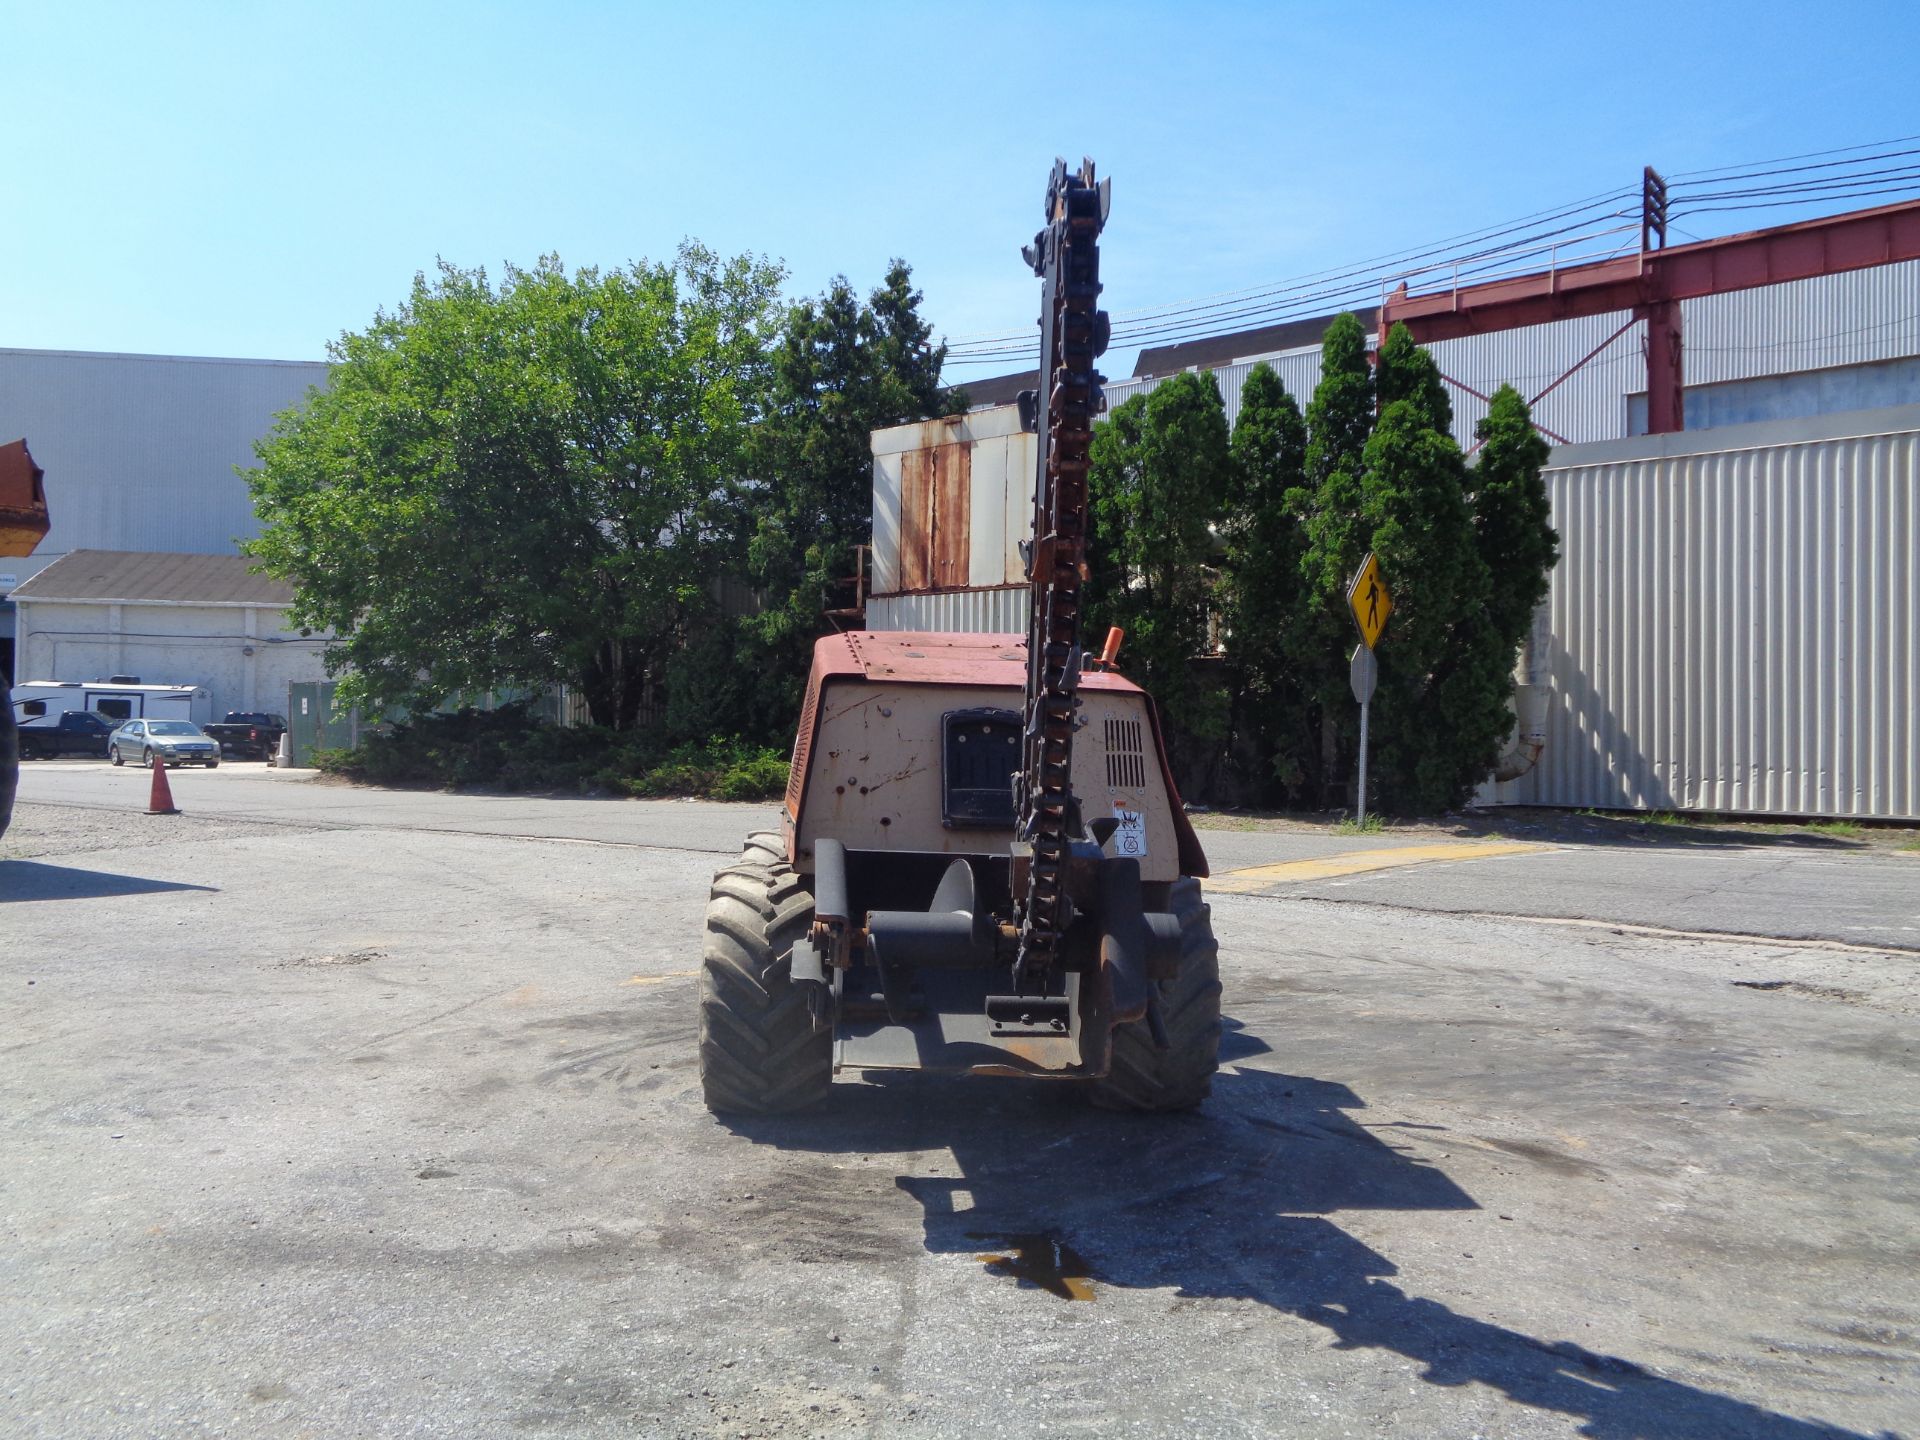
122, 698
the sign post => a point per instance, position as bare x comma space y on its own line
1371, 604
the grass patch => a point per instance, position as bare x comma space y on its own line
513, 749
1839, 829
1349, 825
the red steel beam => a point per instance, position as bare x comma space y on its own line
1829, 246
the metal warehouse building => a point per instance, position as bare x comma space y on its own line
139, 452
1734, 621
201, 620
1780, 352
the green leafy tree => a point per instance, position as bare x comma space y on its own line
1407, 372
1264, 595
1466, 551
1160, 477
520, 484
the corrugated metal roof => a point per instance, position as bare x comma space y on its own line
149, 575
991, 390
1214, 352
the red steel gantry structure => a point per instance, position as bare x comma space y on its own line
1651, 284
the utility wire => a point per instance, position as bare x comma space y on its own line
1827, 182
1495, 249
1788, 170
1300, 300
1393, 258
1369, 270
1776, 204
1788, 159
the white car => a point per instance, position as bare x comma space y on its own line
172, 742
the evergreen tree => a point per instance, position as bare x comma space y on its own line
1159, 481
1416, 512
1339, 419
1511, 517
1340, 415
840, 370
1264, 599
1467, 553
1407, 372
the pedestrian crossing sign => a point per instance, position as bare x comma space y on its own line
1367, 597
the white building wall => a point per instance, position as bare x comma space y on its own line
140, 450
242, 654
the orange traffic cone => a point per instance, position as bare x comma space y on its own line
160, 802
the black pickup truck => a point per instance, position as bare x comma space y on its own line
75, 732
248, 733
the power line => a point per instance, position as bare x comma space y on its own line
1491, 251
1553, 212
1901, 172
1788, 170
1777, 204
1787, 159
1236, 302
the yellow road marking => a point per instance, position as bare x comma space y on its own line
659, 979
1357, 862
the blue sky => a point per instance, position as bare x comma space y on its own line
251, 179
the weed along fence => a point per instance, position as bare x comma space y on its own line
1732, 625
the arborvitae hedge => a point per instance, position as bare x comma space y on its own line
1297, 504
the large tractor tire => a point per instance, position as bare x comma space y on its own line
759, 1051
9, 758
1143, 1078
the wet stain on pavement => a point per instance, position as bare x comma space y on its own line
1041, 1260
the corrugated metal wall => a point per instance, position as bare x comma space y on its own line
1732, 627
951, 502
140, 450
1734, 622
992, 612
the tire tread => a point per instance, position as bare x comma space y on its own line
759, 1051
1144, 1079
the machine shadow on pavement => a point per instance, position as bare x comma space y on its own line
1228, 1202
35, 880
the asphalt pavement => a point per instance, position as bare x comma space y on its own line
1812, 887
329, 1111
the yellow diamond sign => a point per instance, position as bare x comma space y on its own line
1367, 597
